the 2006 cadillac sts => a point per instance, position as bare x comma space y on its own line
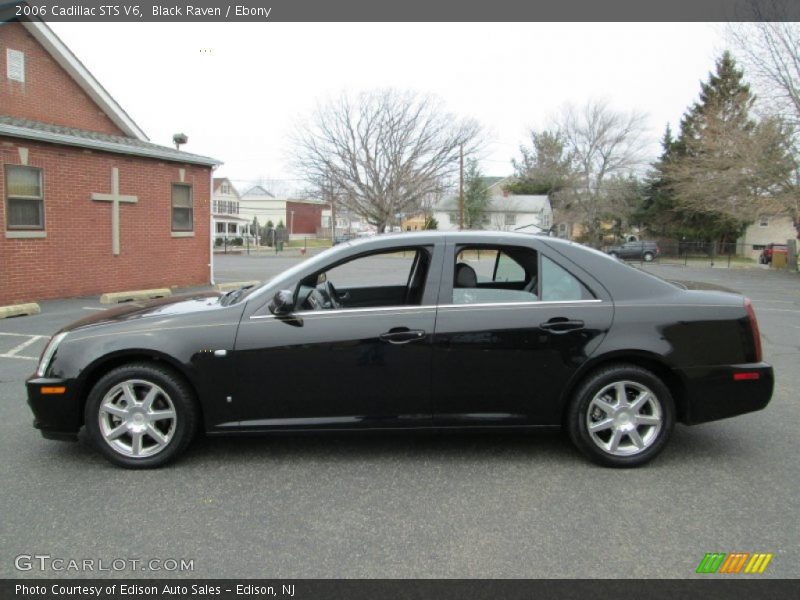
411, 331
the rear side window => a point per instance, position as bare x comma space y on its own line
495, 274
559, 285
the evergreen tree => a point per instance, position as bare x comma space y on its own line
544, 168
725, 167
476, 195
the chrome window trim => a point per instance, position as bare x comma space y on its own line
339, 311
422, 308
530, 304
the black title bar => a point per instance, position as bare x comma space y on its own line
407, 10
371, 589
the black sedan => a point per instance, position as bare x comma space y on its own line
411, 331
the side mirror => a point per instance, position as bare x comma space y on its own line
282, 303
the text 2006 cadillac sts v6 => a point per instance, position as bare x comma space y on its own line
418, 330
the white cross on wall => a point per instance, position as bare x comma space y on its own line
115, 198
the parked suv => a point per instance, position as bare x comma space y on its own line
769, 250
642, 250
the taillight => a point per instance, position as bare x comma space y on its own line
751, 315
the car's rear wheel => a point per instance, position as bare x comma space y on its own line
621, 416
140, 415
648, 256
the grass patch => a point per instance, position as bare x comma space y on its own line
308, 243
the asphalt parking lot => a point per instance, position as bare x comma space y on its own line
488, 505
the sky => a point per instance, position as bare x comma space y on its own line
238, 90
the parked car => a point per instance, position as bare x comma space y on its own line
428, 330
769, 250
343, 237
641, 250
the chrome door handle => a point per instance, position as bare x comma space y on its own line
402, 335
561, 325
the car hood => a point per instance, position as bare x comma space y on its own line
162, 307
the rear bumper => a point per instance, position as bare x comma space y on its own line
720, 392
56, 415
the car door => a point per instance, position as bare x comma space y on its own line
630, 250
360, 365
503, 359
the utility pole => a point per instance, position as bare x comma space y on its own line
333, 212
461, 187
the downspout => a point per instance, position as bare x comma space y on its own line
211, 225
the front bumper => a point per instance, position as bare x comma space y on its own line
57, 415
720, 392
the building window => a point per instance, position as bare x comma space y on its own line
15, 65
232, 228
546, 220
24, 198
763, 221
182, 211
510, 219
226, 189
220, 227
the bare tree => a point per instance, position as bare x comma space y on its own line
735, 172
383, 151
603, 144
770, 53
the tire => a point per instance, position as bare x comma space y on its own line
164, 418
651, 423
613, 255
648, 257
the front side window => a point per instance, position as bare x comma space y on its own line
182, 209
380, 279
24, 198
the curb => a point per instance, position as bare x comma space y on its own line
18, 310
235, 285
116, 297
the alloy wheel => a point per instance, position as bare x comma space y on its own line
137, 418
624, 418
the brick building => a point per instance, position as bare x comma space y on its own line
89, 204
304, 217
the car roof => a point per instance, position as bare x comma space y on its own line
421, 237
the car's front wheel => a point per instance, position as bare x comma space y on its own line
621, 416
140, 415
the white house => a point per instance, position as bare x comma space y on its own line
767, 229
258, 202
505, 212
228, 222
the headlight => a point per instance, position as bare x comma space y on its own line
47, 356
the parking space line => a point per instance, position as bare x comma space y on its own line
93, 308
15, 351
